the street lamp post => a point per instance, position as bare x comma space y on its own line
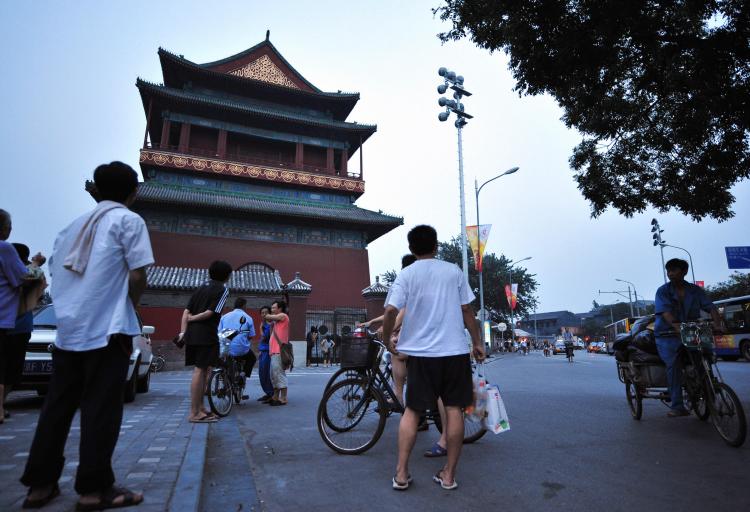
456, 84
637, 307
692, 270
510, 281
478, 189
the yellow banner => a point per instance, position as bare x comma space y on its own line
477, 236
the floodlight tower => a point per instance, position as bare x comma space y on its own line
456, 84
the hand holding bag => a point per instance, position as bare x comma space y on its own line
477, 411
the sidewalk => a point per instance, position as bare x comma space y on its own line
158, 453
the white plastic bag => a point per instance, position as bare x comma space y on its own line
477, 411
497, 417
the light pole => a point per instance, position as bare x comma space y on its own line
456, 84
478, 189
692, 270
510, 281
621, 294
637, 307
657, 231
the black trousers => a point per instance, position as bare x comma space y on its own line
93, 380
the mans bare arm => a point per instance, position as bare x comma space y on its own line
136, 284
389, 321
471, 324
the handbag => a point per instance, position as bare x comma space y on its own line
497, 417
477, 411
286, 352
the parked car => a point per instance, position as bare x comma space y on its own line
37, 367
597, 347
559, 347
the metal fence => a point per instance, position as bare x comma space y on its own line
338, 321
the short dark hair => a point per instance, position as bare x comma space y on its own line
281, 304
313, 328
4, 218
267, 308
422, 240
23, 252
240, 303
407, 259
219, 270
678, 264
115, 181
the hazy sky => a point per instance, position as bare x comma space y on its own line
70, 103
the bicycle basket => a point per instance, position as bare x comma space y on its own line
358, 352
695, 335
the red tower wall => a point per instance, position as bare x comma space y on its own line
337, 275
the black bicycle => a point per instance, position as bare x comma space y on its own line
359, 398
704, 390
227, 382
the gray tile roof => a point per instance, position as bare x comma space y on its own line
376, 289
244, 280
175, 195
248, 107
297, 286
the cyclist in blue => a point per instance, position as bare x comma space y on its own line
240, 347
678, 301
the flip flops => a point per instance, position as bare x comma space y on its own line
206, 418
401, 486
436, 451
439, 480
39, 503
108, 497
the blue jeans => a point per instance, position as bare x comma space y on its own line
669, 349
264, 372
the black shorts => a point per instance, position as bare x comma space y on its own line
12, 355
430, 378
202, 356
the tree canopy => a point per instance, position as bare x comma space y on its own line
738, 285
660, 91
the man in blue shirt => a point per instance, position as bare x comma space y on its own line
676, 302
240, 347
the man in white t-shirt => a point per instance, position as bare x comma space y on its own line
438, 300
98, 269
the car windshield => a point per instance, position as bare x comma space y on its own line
45, 318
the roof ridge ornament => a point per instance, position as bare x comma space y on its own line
268, 35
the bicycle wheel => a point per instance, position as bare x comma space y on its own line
727, 414
157, 364
220, 393
473, 430
343, 374
696, 402
635, 401
351, 416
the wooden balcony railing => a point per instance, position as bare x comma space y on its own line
252, 160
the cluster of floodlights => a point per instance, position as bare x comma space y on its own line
657, 231
456, 84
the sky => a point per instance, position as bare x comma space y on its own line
69, 103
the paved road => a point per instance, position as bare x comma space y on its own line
573, 446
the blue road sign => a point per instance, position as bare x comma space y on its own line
738, 257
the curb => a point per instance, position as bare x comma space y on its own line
186, 493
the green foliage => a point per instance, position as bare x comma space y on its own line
495, 277
659, 90
737, 285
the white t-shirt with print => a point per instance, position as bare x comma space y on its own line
94, 305
432, 291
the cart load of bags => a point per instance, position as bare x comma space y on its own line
638, 345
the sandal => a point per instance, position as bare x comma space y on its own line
439, 480
436, 451
206, 418
108, 497
401, 486
39, 503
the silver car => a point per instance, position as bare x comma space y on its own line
37, 367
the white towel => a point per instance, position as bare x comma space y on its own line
78, 258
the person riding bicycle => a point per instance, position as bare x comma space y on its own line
240, 346
676, 302
568, 340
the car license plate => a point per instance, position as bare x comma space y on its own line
37, 367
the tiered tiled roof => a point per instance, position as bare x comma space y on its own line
297, 286
376, 289
244, 280
181, 196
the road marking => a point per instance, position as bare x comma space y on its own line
145, 474
156, 448
148, 460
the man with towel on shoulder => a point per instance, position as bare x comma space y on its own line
98, 270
